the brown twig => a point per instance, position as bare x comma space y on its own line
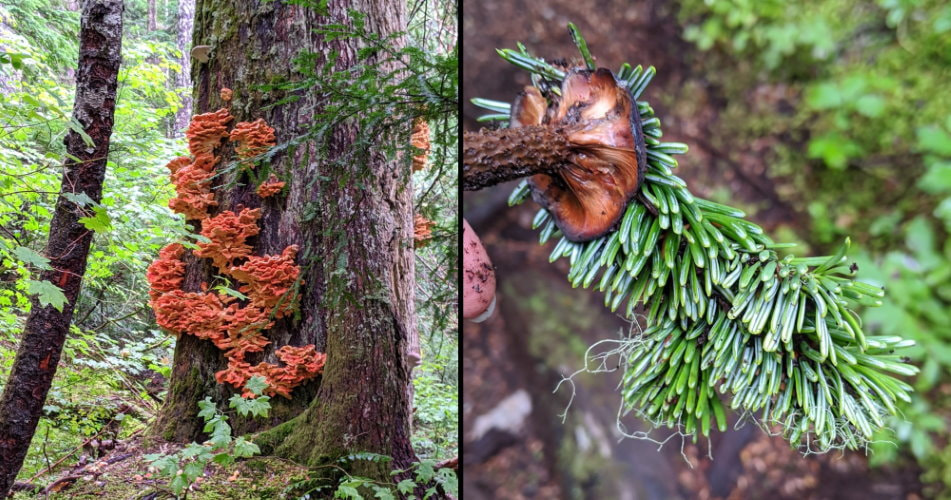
491, 157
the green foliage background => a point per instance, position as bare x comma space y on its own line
864, 149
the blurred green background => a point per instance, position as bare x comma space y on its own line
850, 102
822, 119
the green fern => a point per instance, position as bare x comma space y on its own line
727, 313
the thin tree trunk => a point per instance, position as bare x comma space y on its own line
10, 77
186, 18
352, 221
41, 345
152, 24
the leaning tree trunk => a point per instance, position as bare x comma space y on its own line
352, 220
100, 39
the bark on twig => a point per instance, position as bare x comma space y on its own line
492, 157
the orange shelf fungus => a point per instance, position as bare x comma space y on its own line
420, 140
228, 233
194, 313
271, 187
235, 326
300, 364
422, 231
192, 184
253, 138
178, 163
268, 279
166, 273
192, 176
226, 94
206, 131
237, 373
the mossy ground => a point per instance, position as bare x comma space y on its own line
252, 479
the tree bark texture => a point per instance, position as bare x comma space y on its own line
153, 25
491, 157
45, 331
354, 225
186, 18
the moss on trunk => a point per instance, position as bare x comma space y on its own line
269, 440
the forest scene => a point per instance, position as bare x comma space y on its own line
602, 365
228, 249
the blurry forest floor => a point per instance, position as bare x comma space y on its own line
516, 445
123, 473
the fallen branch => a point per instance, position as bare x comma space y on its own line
452, 463
21, 486
74, 450
67, 481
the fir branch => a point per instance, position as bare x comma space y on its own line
727, 313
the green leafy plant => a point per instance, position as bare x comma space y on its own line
436, 412
113, 356
422, 474
841, 74
920, 278
726, 309
183, 467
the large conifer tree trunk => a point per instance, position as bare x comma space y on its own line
100, 39
352, 220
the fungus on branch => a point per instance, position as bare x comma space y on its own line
713, 285
584, 150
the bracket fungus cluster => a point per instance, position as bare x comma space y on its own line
271, 187
252, 138
268, 282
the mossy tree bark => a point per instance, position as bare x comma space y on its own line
41, 344
352, 219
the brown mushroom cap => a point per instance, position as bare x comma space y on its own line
600, 121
